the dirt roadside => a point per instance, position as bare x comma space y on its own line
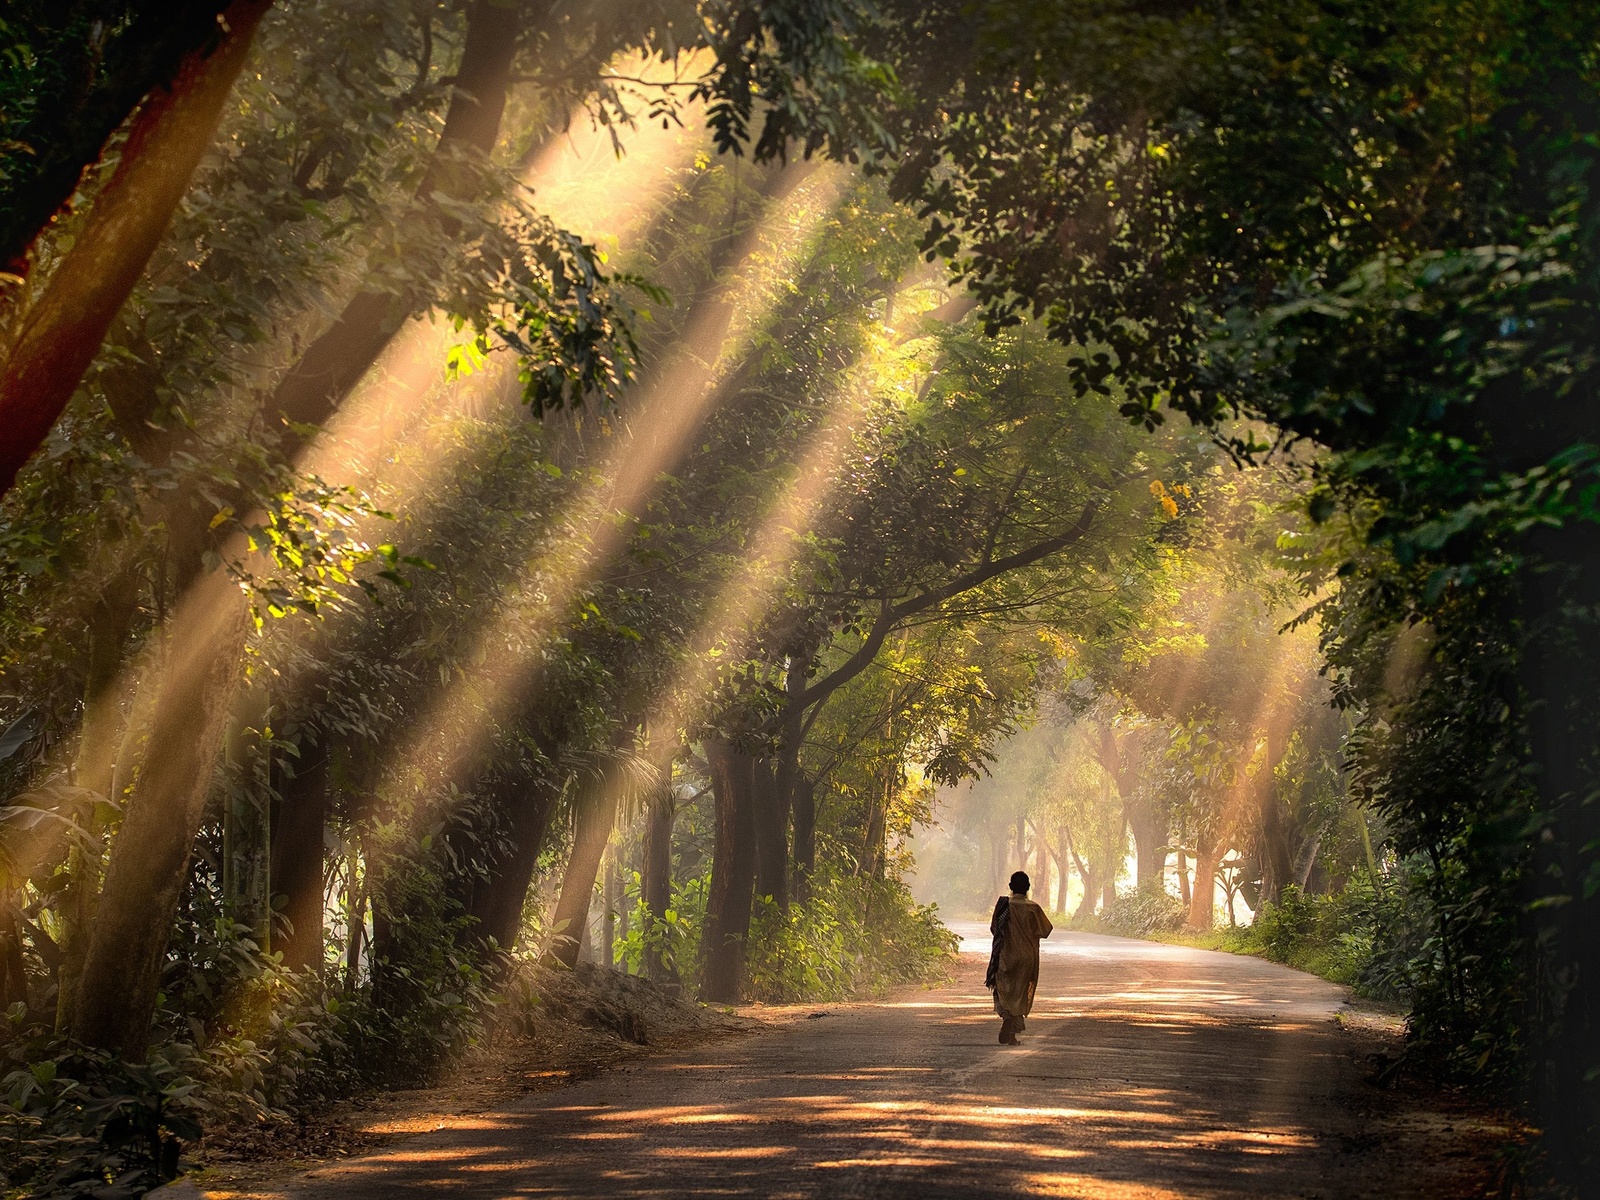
579, 1027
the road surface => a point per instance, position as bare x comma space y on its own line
1146, 1071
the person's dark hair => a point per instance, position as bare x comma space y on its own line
1020, 882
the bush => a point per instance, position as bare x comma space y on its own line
238, 1040
1368, 936
672, 939
854, 936
1142, 913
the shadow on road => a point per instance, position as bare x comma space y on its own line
1146, 1071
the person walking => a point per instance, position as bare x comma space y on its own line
1017, 925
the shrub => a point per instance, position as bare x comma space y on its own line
854, 936
674, 938
1368, 936
1142, 913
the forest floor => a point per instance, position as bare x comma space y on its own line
1148, 1071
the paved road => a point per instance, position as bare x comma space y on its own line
1147, 1071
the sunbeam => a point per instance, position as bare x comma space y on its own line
661, 420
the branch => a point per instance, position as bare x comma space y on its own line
892, 615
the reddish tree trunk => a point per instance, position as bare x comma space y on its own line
64, 328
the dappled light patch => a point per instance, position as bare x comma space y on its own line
1191, 1102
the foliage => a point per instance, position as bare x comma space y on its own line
756, 477
855, 937
673, 938
1404, 291
1144, 912
1372, 936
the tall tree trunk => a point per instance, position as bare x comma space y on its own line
247, 819
1091, 896
790, 779
1061, 862
771, 813
732, 873
99, 739
1149, 841
298, 821
611, 901
335, 362
1203, 903
90, 95
624, 913
805, 836
594, 815
145, 874
1090, 890
1183, 878
497, 902
877, 825
1146, 818
312, 389
101, 731
63, 329
656, 879
150, 856
1273, 846
1306, 861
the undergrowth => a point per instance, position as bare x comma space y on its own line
854, 936
1369, 937
78, 1122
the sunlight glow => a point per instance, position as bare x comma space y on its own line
662, 417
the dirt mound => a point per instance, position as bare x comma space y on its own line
607, 1001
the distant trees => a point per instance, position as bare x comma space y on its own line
1195, 732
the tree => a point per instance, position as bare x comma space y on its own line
79, 73
61, 330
